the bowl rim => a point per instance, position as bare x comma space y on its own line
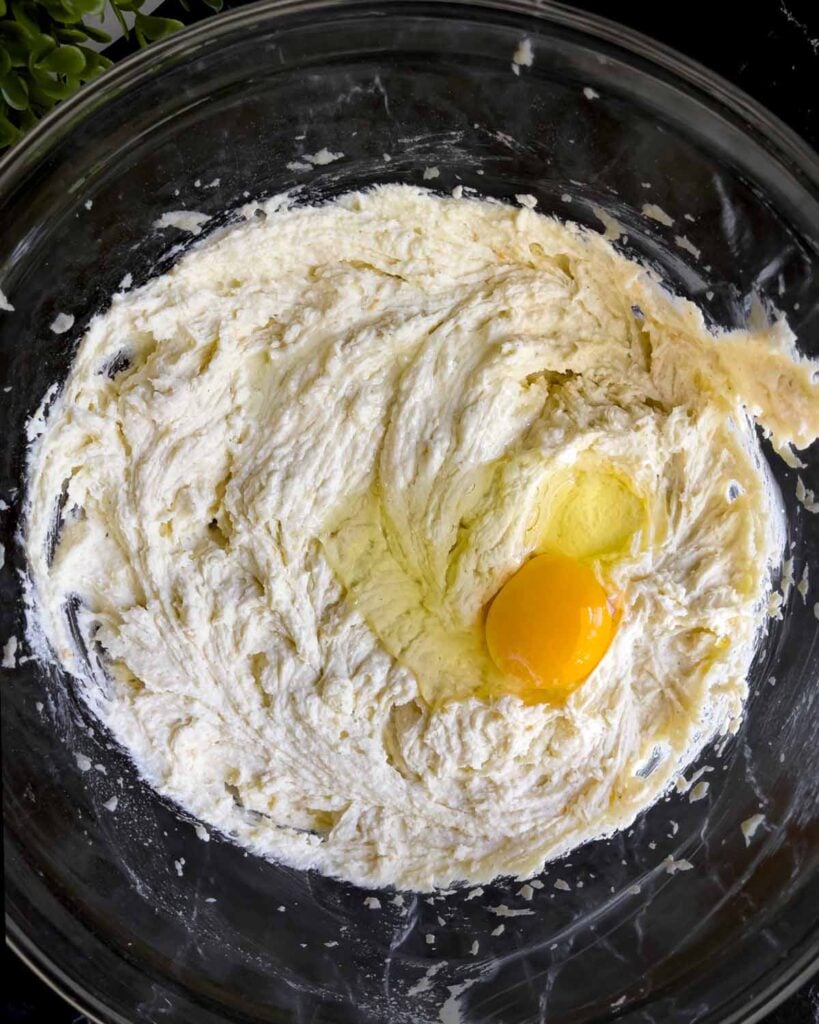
783, 143
789, 142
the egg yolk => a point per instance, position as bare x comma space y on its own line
548, 627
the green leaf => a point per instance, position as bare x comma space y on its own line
64, 11
39, 47
3, 8
73, 11
5, 63
15, 41
56, 11
215, 5
92, 72
151, 28
39, 100
27, 119
14, 90
17, 53
9, 133
25, 15
97, 34
53, 88
63, 60
123, 24
95, 64
89, 7
93, 58
71, 35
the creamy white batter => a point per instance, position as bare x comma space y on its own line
299, 466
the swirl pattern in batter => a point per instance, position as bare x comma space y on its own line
292, 473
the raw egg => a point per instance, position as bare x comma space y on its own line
548, 627
592, 513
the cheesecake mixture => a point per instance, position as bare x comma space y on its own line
412, 539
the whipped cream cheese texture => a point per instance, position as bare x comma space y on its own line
288, 476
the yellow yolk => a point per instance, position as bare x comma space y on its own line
548, 627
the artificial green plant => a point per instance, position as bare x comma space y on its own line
45, 54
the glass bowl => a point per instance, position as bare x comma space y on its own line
129, 913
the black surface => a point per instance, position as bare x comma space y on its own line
771, 50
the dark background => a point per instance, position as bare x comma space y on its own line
770, 49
